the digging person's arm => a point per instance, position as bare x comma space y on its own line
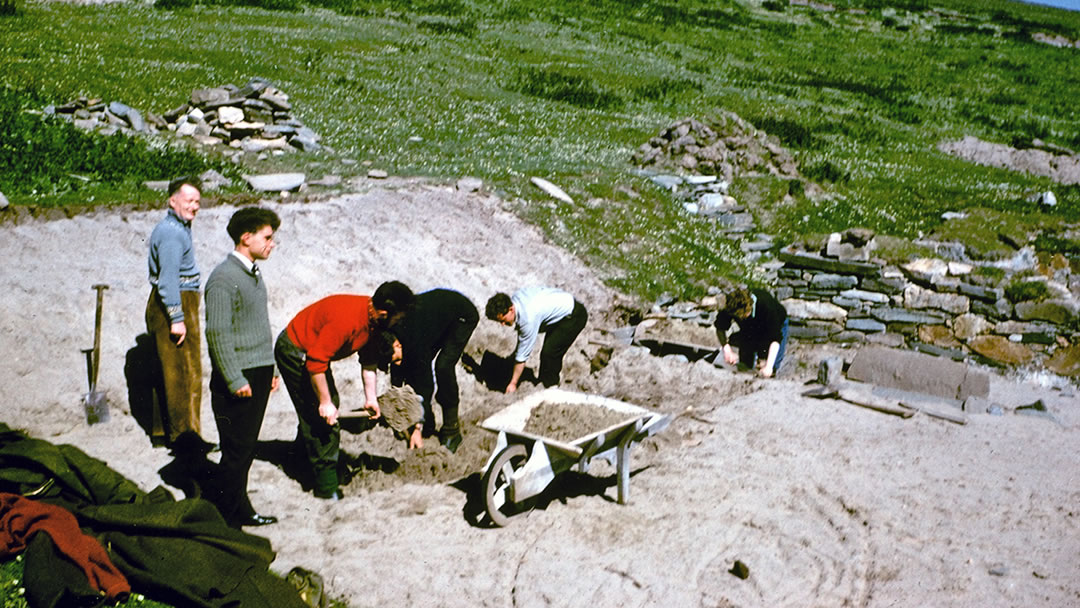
327, 409
519, 368
370, 378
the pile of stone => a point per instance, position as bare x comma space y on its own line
255, 118
932, 305
728, 147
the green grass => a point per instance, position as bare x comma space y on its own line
567, 90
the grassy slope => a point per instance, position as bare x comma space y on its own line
567, 90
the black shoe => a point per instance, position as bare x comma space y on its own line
259, 520
336, 496
451, 441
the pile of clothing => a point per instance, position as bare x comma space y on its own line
105, 538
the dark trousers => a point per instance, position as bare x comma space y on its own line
560, 336
750, 352
446, 351
321, 441
181, 366
239, 420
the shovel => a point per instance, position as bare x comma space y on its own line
95, 402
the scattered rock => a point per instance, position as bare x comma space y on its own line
377, 174
275, 182
469, 184
3, 202
551, 189
1065, 361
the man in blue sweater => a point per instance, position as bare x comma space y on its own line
241, 349
172, 315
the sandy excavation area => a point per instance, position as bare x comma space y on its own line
825, 503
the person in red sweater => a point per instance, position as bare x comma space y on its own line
331, 329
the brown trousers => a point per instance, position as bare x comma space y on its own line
181, 366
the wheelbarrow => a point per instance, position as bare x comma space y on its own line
523, 464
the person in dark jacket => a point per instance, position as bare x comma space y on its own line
435, 331
763, 330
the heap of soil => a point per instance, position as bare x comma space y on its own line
569, 421
401, 407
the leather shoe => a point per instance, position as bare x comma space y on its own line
259, 520
336, 496
451, 441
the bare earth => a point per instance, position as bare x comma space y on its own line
826, 503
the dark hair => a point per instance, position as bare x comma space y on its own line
498, 305
738, 303
251, 219
382, 343
393, 297
189, 180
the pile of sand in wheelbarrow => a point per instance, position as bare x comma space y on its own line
569, 421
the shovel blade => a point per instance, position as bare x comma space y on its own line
96, 406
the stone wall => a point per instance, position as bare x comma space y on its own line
930, 305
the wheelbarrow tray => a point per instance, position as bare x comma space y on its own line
523, 464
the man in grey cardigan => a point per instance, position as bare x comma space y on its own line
242, 359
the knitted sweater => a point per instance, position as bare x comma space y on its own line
237, 324
171, 263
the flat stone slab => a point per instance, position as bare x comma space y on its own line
918, 372
275, 182
801, 259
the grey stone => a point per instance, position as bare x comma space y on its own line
800, 259
939, 351
848, 337
869, 296
830, 371
4, 203
891, 340
887, 285
377, 174
967, 326
255, 145
833, 281
201, 97
865, 325
229, 115
186, 129
918, 372
902, 315
783, 293
130, 115
275, 182
278, 130
158, 185
1002, 309
1057, 311
918, 297
305, 144
806, 309
212, 180
667, 182
848, 303
809, 334
469, 184
253, 87
986, 294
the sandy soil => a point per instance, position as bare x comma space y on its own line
827, 504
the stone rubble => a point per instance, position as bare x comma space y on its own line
256, 118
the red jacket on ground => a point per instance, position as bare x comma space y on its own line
21, 518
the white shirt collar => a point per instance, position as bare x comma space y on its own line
248, 264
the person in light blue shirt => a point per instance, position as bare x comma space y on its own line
535, 310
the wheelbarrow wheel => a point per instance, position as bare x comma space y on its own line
496, 484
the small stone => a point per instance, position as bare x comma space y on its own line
377, 174
3, 202
275, 182
740, 570
469, 184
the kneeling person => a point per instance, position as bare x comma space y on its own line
763, 330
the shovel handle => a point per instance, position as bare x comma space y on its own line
96, 361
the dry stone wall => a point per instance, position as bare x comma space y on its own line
930, 305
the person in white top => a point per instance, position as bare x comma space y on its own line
532, 310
